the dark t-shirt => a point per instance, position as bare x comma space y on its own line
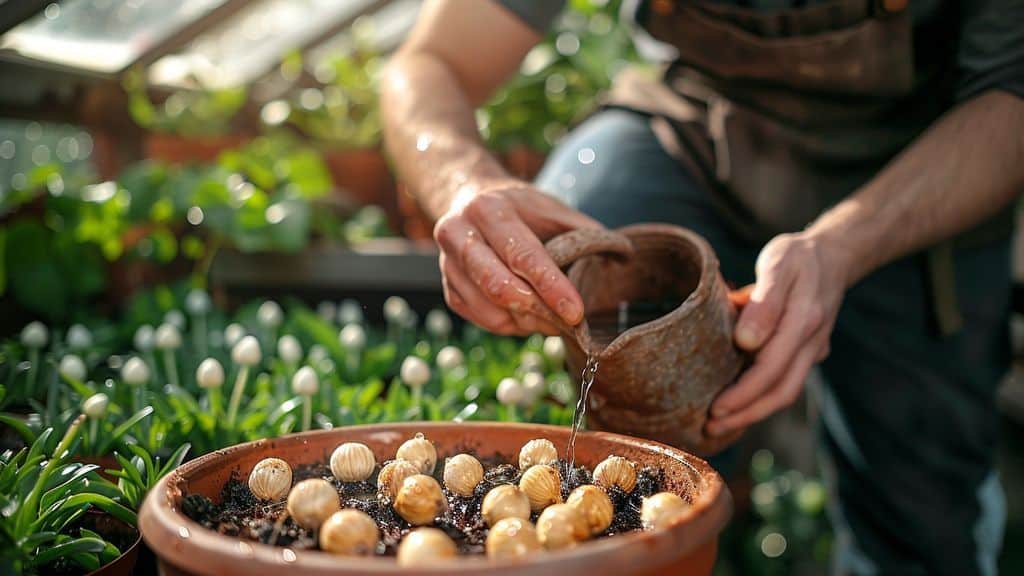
988, 35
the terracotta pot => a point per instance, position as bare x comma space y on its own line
124, 565
176, 149
364, 174
185, 547
104, 462
655, 379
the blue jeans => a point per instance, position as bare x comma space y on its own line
909, 421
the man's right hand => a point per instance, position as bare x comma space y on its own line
496, 271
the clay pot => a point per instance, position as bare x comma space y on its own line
364, 174
123, 565
185, 547
176, 149
656, 379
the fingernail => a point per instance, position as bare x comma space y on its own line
569, 311
720, 411
747, 337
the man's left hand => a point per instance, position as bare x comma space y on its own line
786, 325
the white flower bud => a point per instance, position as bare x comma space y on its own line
288, 349
415, 372
210, 374
167, 337
554, 349
135, 372
95, 406
79, 337
438, 323
175, 318
350, 312
317, 354
197, 302
270, 314
326, 310
534, 387
246, 352
510, 392
449, 358
34, 335
233, 333
353, 337
396, 310
531, 361
143, 339
305, 382
72, 367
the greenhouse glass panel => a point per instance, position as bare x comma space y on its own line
381, 31
253, 41
102, 35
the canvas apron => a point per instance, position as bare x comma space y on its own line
783, 114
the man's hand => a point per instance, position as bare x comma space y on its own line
496, 271
786, 324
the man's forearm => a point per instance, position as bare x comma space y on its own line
433, 140
963, 169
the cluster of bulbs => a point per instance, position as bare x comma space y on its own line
408, 485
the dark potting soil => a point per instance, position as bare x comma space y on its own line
242, 515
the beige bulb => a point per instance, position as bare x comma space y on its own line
561, 526
270, 479
424, 546
505, 501
462, 473
594, 505
542, 486
312, 501
349, 532
512, 538
352, 462
420, 452
391, 476
539, 451
615, 471
662, 510
420, 500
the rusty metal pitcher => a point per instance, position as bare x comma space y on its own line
655, 379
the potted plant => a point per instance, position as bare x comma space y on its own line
185, 503
189, 125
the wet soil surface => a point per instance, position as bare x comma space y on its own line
242, 515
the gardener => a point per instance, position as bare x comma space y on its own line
856, 158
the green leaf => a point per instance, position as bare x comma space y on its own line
19, 426
123, 429
75, 546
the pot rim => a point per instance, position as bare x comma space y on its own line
160, 521
700, 294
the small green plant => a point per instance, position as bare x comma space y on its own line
142, 471
198, 112
42, 495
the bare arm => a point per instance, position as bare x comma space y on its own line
966, 167
490, 225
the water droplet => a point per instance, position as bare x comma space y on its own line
183, 532
423, 141
586, 156
288, 555
52, 12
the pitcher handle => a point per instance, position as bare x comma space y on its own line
569, 247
